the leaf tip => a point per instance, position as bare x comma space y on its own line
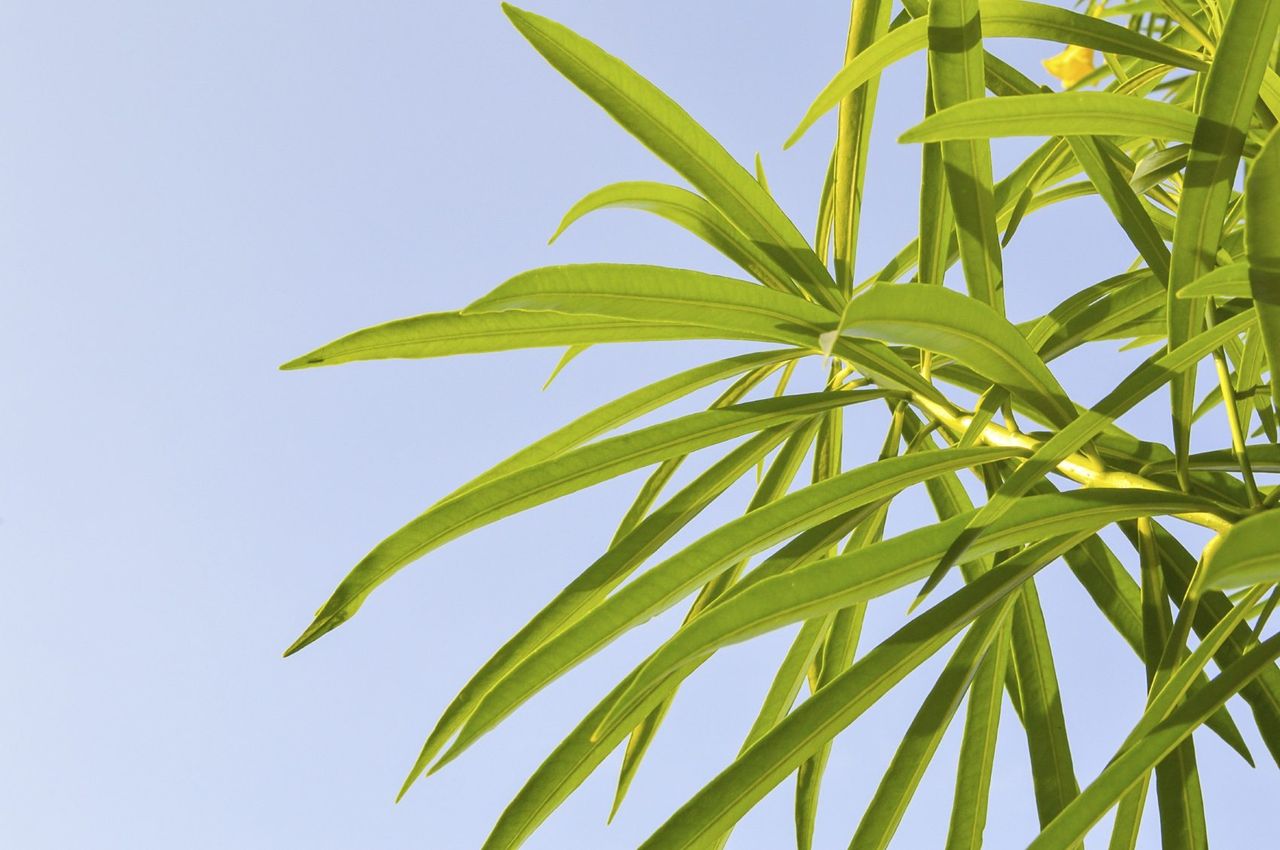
564, 225
306, 361
323, 624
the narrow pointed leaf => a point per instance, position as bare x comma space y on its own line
666, 583
1230, 92
688, 210
727, 797
1063, 114
553, 478
923, 735
956, 70
606, 573
667, 130
1262, 238
859, 576
447, 334
736, 308
1000, 18
1129, 766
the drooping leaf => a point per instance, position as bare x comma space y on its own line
1230, 281
666, 583
553, 478
818, 719
923, 735
1130, 765
595, 582
977, 751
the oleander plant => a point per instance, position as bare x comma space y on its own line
1167, 112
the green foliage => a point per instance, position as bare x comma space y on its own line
1187, 102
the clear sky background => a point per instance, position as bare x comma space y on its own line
191, 194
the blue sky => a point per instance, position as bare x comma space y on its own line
194, 193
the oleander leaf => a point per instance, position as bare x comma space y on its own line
1000, 18
738, 309
1227, 104
1128, 767
558, 476
688, 210
843, 580
669, 581
938, 319
1262, 239
1231, 281
446, 334
667, 130
1249, 553
1062, 114
1178, 143
722, 801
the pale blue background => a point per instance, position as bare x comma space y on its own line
191, 194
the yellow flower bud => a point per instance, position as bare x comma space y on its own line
1071, 65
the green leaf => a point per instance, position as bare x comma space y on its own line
1156, 167
978, 750
1064, 114
956, 71
938, 319
781, 474
1223, 282
1139, 384
1131, 764
1000, 18
1263, 694
924, 734
865, 574
570, 354
1262, 240
822, 716
868, 22
1230, 92
1263, 459
1052, 769
667, 582
1177, 782
735, 308
628, 408
667, 130
604, 574
1099, 157
1131, 297
563, 770
550, 479
688, 210
1248, 555
446, 334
